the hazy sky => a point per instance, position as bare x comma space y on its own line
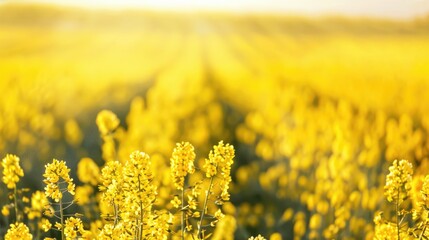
375, 8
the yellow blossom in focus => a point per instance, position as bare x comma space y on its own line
176, 202
11, 170
73, 228
220, 160
54, 172
259, 237
182, 163
18, 231
111, 182
45, 225
398, 181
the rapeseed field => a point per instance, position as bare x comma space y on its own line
165, 125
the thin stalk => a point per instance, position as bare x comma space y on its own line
15, 200
423, 231
397, 215
204, 207
183, 215
62, 219
115, 209
141, 213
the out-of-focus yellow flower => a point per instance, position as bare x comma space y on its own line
315, 221
18, 231
88, 171
11, 170
287, 214
73, 134
225, 228
276, 236
38, 204
83, 194
53, 173
182, 163
5, 211
398, 181
106, 121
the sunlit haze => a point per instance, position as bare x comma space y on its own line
366, 8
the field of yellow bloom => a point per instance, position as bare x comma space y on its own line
152, 125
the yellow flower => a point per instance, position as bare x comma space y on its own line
106, 121
48, 211
88, 171
138, 183
398, 181
192, 202
11, 170
220, 160
225, 229
259, 237
111, 182
276, 236
18, 231
83, 194
58, 226
72, 132
5, 211
219, 215
45, 225
38, 204
182, 163
73, 228
176, 202
53, 173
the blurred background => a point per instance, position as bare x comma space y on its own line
318, 97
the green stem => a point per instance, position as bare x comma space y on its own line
397, 216
15, 200
62, 219
183, 215
141, 212
204, 208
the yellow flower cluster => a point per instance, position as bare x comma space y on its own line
398, 188
311, 149
73, 228
182, 163
18, 231
107, 122
88, 171
38, 205
220, 161
130, 191
398, 181
55, 174
259, 237
11, 170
